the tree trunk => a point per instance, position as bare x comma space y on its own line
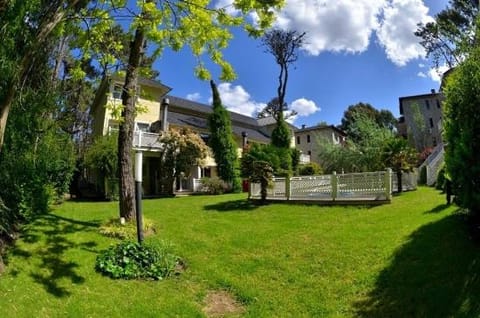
125, 135
399, 181
263, 190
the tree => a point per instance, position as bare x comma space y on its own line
462, 132
418, 131
273, 110
222, 143
283, 45
37, 160
281, 134
448, 38
398, 155
181, 149
360, 154
192, 23
102, 157
126, 127
383, 118
258, 164
27, 26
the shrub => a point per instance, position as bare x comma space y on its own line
214, 185
440, 183
422, 180
113, 228
310, 169
130, 260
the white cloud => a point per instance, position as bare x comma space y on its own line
436, 74
228, 6
395, 34
342, 25
304, 107
237, 99
194, 96
347, 25
421, 74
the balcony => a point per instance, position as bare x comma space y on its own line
146, 140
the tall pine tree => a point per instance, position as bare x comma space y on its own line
222, 142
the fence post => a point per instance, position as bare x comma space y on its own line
388, 184
287, 187
249, 189
334, 184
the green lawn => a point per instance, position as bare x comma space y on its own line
411, 258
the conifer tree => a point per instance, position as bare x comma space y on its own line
222, 142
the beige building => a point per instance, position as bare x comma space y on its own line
421, 119
309, 139
157, 115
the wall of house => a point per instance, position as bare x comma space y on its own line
309, 141
149, 103
430, 109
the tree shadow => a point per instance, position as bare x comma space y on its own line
52, 236
435, 274
439, 208
228, 206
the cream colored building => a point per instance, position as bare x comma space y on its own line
309, 139
150, 121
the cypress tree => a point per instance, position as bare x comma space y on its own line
222, 142
281, 133
462, 132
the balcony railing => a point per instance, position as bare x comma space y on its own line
146, 140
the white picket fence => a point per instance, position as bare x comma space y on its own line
368, 186
409, 181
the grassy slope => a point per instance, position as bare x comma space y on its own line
410, 258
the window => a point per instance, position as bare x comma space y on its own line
117, 91
431, 122
298, 140
438, 104
434, 141
145, 127
427, 103
308, 138
309, 153
206, 172
205, 138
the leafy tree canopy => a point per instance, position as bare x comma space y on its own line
383, 118
448, 38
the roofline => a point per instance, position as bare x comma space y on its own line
321, 127
420, 96
210, 108
401, 99
144, 82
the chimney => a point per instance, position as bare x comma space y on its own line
244, 139
303, 126
164, 114
432, 90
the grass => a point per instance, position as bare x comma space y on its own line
411, 258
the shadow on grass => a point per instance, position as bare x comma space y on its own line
237, 205
51, 234
439, 208
435, 274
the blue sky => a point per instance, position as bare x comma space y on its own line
358, 51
